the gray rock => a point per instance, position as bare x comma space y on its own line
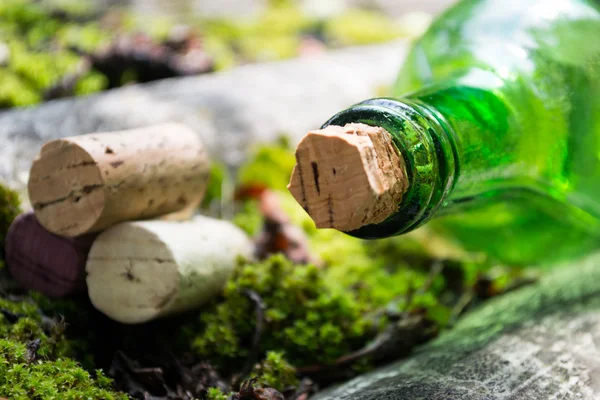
229, 110
540, 342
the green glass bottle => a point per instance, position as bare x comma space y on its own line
496, 113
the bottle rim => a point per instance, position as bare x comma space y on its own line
428, 154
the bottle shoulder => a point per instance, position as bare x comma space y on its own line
519, 85
507, 39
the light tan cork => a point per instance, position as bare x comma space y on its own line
88, 183
348, 177
141, 270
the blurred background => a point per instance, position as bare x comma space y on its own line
61, 48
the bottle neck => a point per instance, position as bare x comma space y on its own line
426, 144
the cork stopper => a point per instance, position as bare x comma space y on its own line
88, 183
348, 177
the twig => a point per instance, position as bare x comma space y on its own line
259, 311
461, 305
436, 269
519, 283
10, 316
396, 341
139, 380
32, 350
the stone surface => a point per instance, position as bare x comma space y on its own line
540, 342
229, 110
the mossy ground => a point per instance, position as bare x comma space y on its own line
311, 314
35, 356
10, 207
46, 41
274, 319
35, 359
317, 314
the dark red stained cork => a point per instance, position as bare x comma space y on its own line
41, 261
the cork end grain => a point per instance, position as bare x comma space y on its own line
348, 177
132, 275
66, 188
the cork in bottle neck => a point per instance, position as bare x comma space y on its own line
348, 176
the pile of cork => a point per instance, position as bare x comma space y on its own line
114, 214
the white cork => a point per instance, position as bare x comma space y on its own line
139, 271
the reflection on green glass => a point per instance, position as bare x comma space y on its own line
497, 112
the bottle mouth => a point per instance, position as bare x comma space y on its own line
423, 140
348, 176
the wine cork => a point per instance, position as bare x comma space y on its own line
348, 177
44, 262
141, 270
87, 183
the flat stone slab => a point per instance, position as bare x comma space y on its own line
229, 110
540, 342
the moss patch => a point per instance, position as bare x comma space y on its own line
274, 371
10, 208
45, 41
311, 315
315, 314
268, 165
34, 358
304, 317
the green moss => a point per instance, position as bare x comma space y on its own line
91, 83
282, 18
40, 70
305, 317
214, 191
63, 378
28, 327
45, 372
358, 27
376, 272
87, 37
14, 91
81, 9
10, 208
215, 394
266, 48
38, 40
275, 34
248, 218
268, 165
220, 50
274, 371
